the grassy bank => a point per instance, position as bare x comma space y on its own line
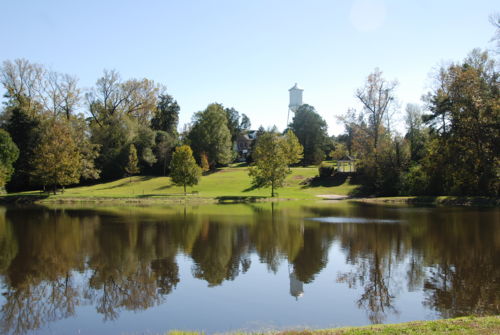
230, 184
462, 326
227, 185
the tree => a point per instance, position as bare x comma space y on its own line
133, 163
114, 136
23, 126
111, 97
56, 160
293, 148
23, 82
377, 97
272, 156
164, 145
339, 152
312, 132
245, 123
89, 151
233, 122
8, 155
204, 162
415, 132
183, 168
463, 156
166, 117
210, 134
144, 143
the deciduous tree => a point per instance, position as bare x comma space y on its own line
56, 160
183, 168
272, 157
210, 134
377, 97
166, 116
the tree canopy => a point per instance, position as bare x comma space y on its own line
210, 134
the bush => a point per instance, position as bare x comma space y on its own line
325, 170
415, 181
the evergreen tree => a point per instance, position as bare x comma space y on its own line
183, 168
8, 155
23, 126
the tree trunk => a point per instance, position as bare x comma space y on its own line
184, 189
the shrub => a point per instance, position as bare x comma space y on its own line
325, 170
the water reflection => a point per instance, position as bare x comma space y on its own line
54, 260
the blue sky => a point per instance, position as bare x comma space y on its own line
247, 54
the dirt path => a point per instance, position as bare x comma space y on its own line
332, 196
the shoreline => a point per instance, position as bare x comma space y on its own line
464, 201
194, 199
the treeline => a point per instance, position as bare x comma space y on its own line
128, 127
451, 145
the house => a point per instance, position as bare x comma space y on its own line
244, 143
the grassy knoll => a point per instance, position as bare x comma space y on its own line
462, 326
232, 183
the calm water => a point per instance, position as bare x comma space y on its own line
218, 268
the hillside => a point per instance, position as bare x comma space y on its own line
226, 183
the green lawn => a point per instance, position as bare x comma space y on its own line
225, 183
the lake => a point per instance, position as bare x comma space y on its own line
262, 266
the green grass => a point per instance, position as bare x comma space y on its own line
458, 326
230, 183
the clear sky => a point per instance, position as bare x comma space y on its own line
247, 54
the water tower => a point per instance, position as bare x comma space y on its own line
295, 100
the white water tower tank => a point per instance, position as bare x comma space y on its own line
295, 98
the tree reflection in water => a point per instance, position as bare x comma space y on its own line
115, 259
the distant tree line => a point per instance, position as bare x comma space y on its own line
55, 134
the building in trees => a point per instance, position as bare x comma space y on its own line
244, 143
